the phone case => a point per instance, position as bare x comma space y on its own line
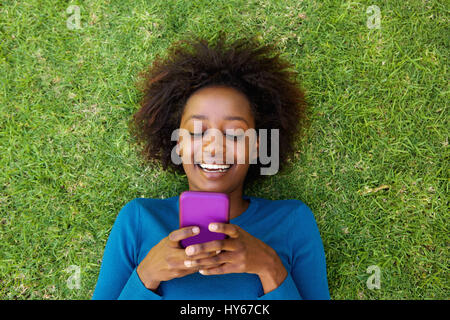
198, 208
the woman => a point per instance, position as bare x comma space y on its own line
273, 249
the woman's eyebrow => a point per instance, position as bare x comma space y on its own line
203, 117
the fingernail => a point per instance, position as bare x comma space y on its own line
195, 230
213, 227
201, 271
190, 251
218, 251
188, 263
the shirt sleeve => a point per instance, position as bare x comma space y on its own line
135, 290
287, 290
118, 277
307, 278
308, 270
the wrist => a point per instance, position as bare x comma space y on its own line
273, 273
147, 281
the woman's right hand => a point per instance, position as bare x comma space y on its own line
165, 261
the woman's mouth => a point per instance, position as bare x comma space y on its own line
219, 168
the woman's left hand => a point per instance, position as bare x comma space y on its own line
240, 253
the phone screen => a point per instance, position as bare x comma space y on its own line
199, 208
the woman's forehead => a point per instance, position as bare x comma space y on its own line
221, 104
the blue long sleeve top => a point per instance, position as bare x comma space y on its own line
288, 226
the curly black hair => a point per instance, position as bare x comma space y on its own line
274, 93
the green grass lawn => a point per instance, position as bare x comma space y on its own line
374, 168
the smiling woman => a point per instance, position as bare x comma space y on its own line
246, 82
218, 97
216, 105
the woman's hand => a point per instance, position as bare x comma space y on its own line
166, 260
240, 253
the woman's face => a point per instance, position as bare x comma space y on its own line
218, 109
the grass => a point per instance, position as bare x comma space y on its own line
374, 169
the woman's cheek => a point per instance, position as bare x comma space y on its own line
241, 152
244, 150
186, 152
229, 152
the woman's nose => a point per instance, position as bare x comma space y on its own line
214, 145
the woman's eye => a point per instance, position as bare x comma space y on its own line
196, 134
229, 137
235, 138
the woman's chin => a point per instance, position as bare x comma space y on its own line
202, 180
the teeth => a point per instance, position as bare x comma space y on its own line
214, 166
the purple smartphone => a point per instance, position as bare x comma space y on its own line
198, 208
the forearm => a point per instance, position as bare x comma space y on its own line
272, 273
150, 284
